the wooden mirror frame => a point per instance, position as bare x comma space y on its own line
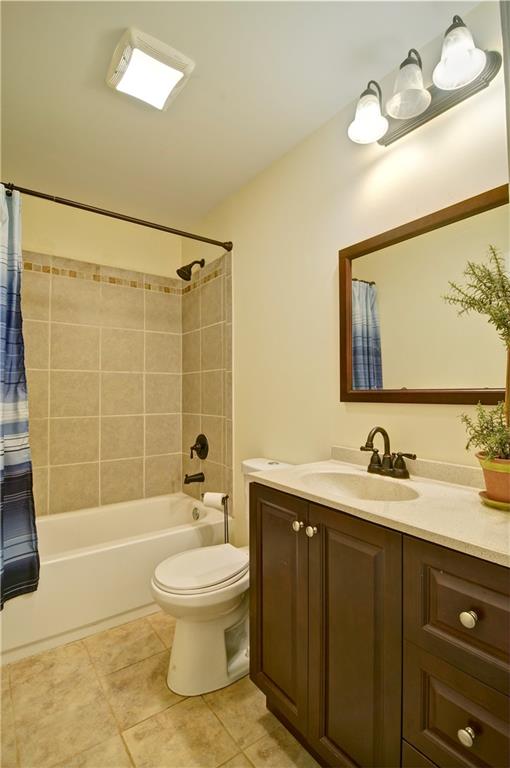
493, 198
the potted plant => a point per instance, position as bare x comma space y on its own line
487, 292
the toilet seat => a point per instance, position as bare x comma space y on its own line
202, 570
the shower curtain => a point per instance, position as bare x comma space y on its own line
366, 337
19, 558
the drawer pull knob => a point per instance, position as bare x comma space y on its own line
468, 619
297, 525
310, 530
466, 736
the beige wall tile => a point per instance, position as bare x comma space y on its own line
37, 387
227, 443
228, 299
162, 393
191, 427
191, 467
191, 352
191, 393
121, 437
214, 477
73, 487
84, 267
212, 393
74, 394
162, 312
191, 310
163, 474
212, 347
74, 347
73, 441
211, 302
227, 346
74, 301
35, 295
121, 307
163, 352
121, 480
121, 393
162, 434
121, 350
227, 394
36, 339
212, 427
40, 490
38, 437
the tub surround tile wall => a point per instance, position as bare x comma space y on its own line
103, 356
207, 374
104, 702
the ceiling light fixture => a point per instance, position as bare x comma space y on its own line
461, 62
368, 125
410, 98
148, 69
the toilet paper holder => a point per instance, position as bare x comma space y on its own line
218, 501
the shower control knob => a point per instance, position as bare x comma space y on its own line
466, 736
311, 530
468, 619
297, 525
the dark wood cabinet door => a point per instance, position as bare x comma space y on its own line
279, 601
355, 577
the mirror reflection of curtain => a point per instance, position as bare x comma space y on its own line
366, 337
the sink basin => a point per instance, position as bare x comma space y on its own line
364, 487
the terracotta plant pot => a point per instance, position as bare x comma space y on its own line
496, 474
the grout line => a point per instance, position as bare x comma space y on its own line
99, 325
109, 461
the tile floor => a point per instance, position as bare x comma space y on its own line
103, 702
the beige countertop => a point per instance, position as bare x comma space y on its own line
444, 513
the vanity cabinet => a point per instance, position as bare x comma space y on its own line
326, 627
373, 647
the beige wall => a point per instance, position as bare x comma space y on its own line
73, 234
288, 225
424, 343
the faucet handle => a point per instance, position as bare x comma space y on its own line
400, 454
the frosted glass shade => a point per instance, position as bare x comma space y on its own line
409, 98
461, 62
368, 125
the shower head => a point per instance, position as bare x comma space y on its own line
185, 272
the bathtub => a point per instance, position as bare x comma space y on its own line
96, 566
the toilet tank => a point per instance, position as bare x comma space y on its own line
257, 465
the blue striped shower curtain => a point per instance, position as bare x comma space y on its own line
366, 337
19, 566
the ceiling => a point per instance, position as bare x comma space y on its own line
267, 74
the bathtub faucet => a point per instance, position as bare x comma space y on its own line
199, 477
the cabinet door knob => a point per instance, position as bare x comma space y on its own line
466, 736
297, 525
311, 530
468, 619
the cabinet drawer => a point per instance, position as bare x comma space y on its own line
441, 704
439, 586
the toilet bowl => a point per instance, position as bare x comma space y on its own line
206, 590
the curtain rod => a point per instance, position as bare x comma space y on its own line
113, 215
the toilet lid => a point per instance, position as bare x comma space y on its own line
201, 569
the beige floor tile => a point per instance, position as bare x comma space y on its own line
124, 645
50, 667
241, 707
187, 735
8, 751
238, 761
279, 750
140, 690
164, 626
69, 719
109, 754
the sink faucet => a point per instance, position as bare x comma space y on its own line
392, 464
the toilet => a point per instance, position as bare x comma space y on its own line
206, 590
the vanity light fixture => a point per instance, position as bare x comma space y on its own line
461, 62
368, 125
147, 69
410, 98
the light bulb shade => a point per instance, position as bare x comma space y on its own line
368, 125
461, 62
409, 98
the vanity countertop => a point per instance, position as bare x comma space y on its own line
443, 513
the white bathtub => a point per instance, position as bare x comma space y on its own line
96, 566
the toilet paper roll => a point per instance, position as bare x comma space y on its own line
214, 500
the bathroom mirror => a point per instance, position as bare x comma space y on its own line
399, 340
